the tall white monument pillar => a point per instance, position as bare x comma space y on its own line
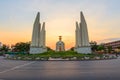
77, 35
42, 37
38, 37
82, 38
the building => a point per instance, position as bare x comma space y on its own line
114, 44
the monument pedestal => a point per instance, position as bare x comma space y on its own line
37, 50
83, 50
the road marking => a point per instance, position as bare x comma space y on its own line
16, 67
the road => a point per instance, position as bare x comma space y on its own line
59, 70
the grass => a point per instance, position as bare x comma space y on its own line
53, 54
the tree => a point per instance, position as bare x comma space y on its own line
101, 47
21, 47
49, 49
109, 49
72, 48
118, 47
94, 46
4, 48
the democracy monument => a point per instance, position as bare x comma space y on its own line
38, 37
82, 38
38, 42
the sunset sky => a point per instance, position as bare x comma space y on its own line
17, 18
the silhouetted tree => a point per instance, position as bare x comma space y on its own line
49, 49
94, 46
118, 47
72, 48
100, 47
4, 48
109, 49
21, 47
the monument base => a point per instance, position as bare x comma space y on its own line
37, 50
83, 50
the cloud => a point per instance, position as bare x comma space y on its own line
108, 40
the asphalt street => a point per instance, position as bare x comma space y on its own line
59, 70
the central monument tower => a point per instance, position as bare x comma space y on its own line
60, 46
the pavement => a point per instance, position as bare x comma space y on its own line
59, 70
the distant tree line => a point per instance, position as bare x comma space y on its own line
22, 47
99, 48
25, 47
